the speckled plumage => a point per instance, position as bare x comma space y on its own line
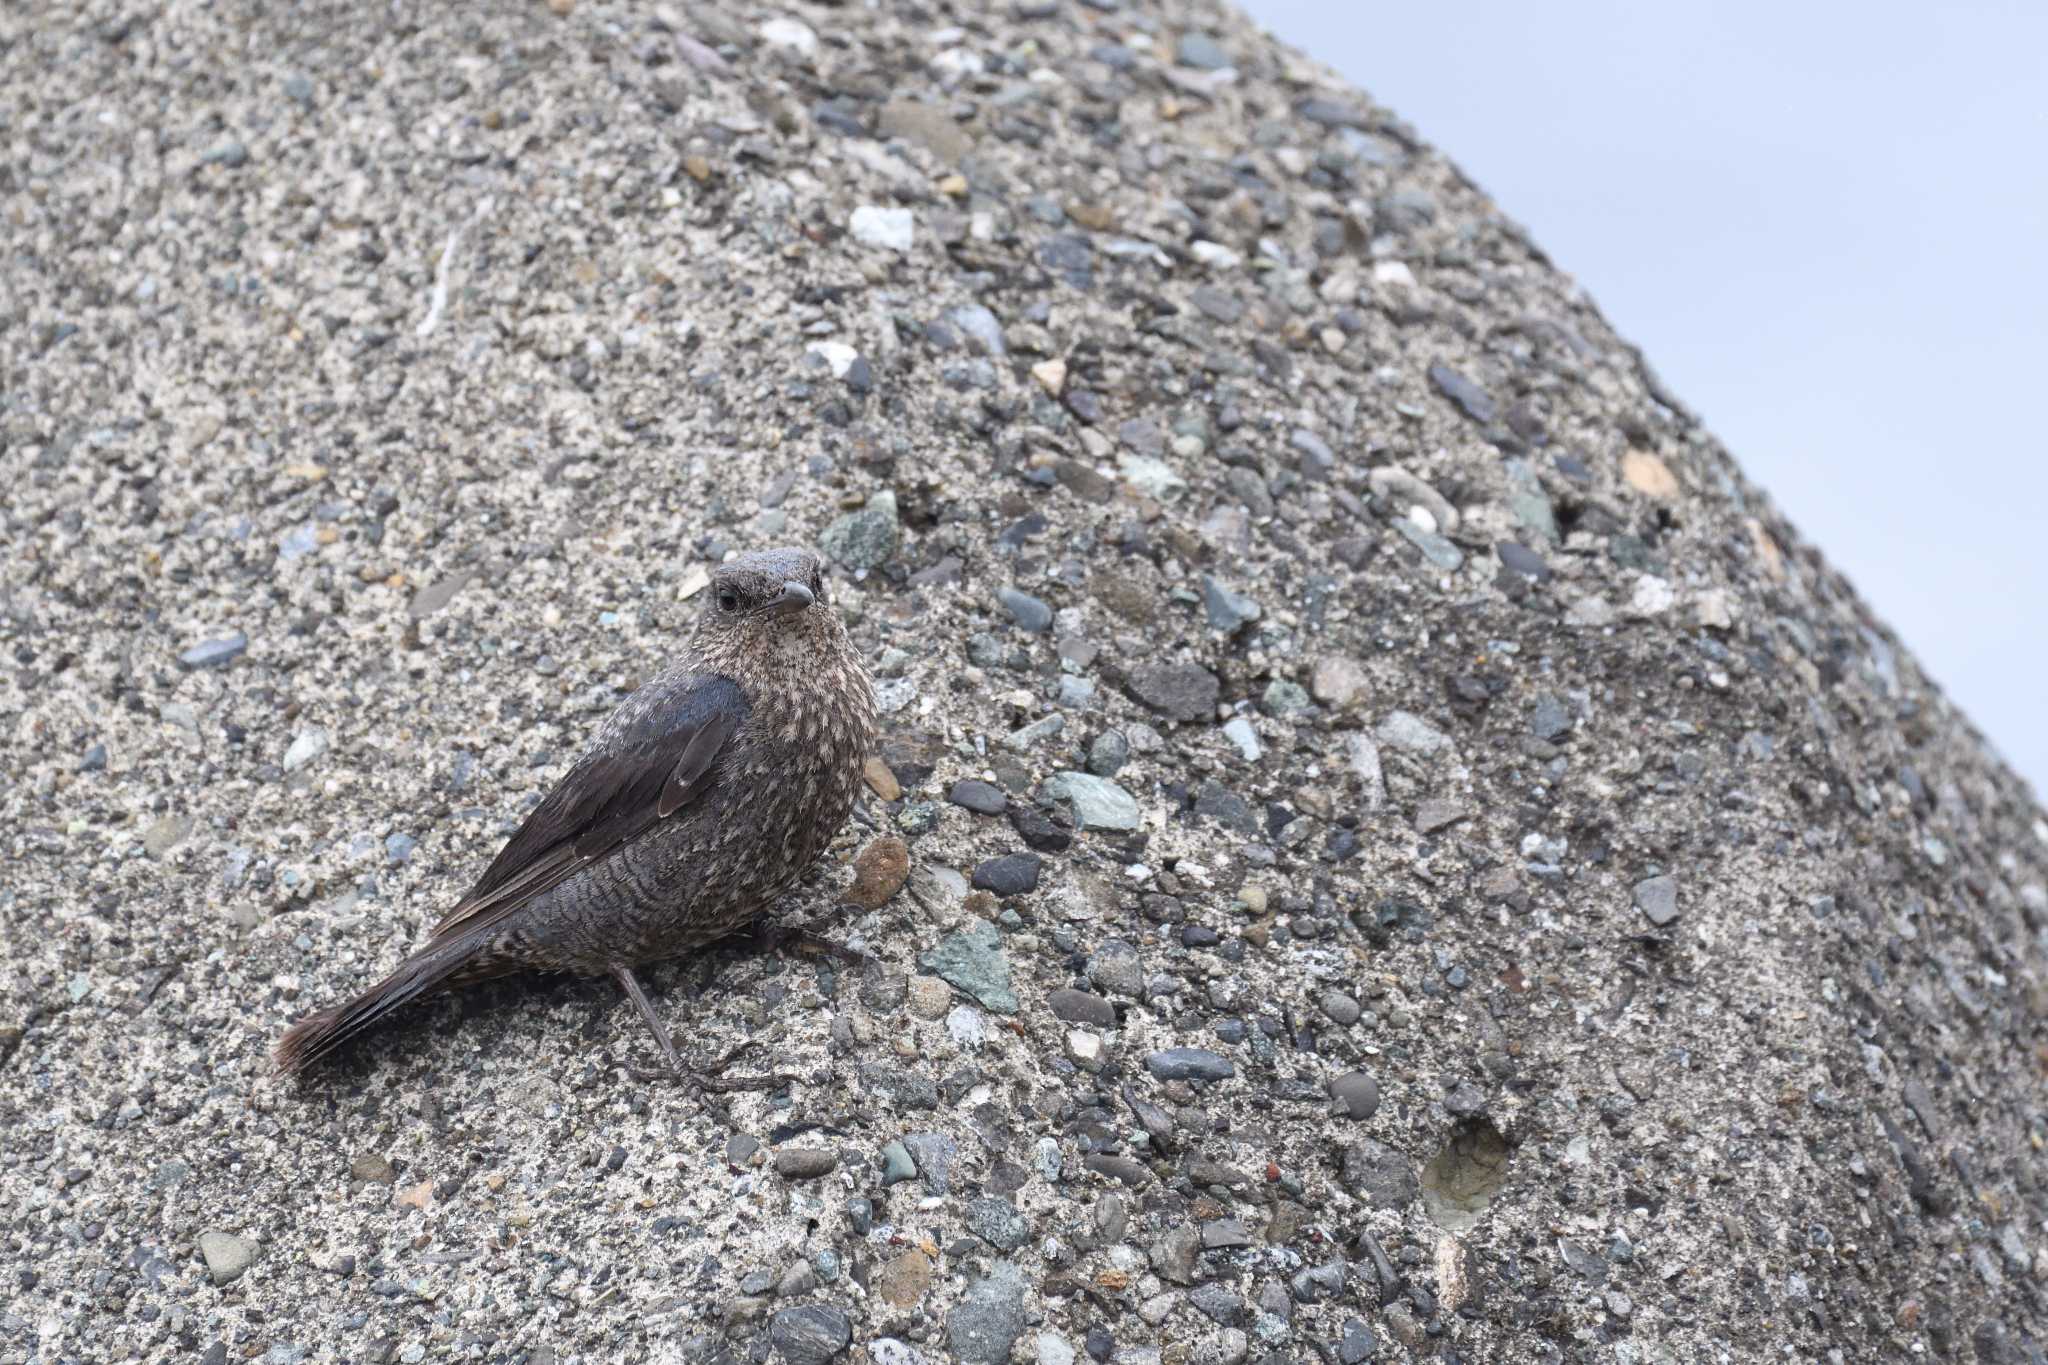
698, 802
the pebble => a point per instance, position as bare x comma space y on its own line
897, 1165
865, 538
1340, 1008
1013, 874
1434, 547
1224, 1234
1186, 692
1038, 830
1651, 596
1219, 1303
805, 1163
1240, 731
979, 797
1108, 753
1081, 1007
837, 355
1528, 502
1201, 52
1406, 491
1379, 1175
1120, 1168
372, 1168
884, 228
1030, 613
904, 1279
1357, 1344
793, 34
1436, 814
980, 325
988, 1319
1116, 967
1518, 558
1337, 681
1156, 479
1657, 898
1097, 802
998, 1222
1550, 720
1026, 736
811, 1334
881, 779
972, 959
1227, 611
1189, 1064
306, 746
1284, 698
215, 653
1318, 461
1407, 731
439, 594
929, 997
1473, 400
228, 1257
879, 871
934, 1154
1649, 475
1357, 1095
966, 1027
1715, 609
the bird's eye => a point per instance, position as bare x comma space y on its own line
728, 600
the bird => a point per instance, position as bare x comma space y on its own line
697, 803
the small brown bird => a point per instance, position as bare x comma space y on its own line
702, 799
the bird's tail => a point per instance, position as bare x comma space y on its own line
433, 968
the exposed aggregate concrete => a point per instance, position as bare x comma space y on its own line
1558, 922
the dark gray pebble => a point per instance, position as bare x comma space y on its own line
1030, 613
810, 1335
1357, 1095
1082, 1007
1013, 874
979, 797
1189, 1064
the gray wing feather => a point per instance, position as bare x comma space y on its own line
662, 759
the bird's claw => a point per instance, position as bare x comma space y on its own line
711, 1081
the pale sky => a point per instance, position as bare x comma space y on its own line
1827, 226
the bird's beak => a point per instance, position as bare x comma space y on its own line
795, 597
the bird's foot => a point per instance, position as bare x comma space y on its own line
713, 1078
703, 1081
772, 937
817, 945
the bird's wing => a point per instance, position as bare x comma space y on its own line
664, 758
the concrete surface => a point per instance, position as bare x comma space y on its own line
1559, 923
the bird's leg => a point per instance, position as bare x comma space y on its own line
713, 1078
630, 984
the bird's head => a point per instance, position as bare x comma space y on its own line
764, 595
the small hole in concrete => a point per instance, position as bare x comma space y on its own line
1464, 1176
